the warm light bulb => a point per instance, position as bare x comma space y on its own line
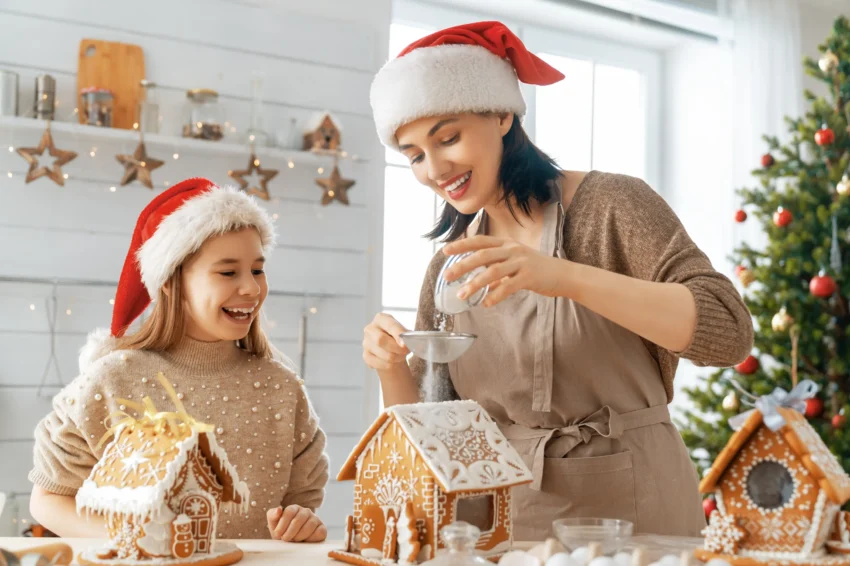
321, 170
65, 175
313, 310
176, 156
111, 301
11, 149
32, 307
112, 189
275, 216
291, 165
68, 312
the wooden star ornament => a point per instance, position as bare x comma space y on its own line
265, 175
138, 167
54, 172
336, 187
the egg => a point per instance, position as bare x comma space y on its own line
623, 559
670, 560
580, 555
518, 558
717, 562
562, 559
602, 561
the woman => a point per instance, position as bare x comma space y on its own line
595, 292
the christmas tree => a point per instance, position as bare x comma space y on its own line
797, 288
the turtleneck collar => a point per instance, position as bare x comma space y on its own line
194, 357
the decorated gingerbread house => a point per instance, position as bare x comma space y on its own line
779, 491
160, 485
422, 467
322, 132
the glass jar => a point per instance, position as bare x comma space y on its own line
460, 539
149, 108
445, 292
205, 120
97, 106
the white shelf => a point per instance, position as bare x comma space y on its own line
184, 145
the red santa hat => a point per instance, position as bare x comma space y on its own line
474, 67
174, 225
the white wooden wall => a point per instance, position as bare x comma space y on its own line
311, 62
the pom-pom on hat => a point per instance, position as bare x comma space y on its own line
473, 67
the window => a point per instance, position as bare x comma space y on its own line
478, 510
605, 114
770, 485
410, 211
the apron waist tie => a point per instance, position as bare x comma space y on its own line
605, 422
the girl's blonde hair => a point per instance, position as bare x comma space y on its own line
166, 326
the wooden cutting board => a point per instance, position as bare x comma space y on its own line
117, 66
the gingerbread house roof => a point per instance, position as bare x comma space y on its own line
142, 464
458, 442
316, 119
804, 442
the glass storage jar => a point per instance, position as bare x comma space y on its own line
205, 120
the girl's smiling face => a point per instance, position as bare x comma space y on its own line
224, 286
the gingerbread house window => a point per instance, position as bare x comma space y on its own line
770, 485
478, 510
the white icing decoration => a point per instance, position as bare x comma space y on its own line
448, 434
148, 499
157, 539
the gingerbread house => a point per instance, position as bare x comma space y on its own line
160, 485
778, 491
421, 467
322, 132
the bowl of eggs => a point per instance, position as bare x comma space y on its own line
580, 532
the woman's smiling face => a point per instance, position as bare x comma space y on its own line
458, 156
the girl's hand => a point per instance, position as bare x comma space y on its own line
382, 347
295, 524
510, 266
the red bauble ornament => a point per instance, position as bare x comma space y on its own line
740, 215
748, 366
767, 160
814, 408
822, 286
838, 421
709, 505
782, 217
824, 136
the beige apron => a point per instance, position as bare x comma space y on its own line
583, 402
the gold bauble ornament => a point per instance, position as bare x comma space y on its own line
843, 186
730, 402
746, 277
781, 321
828, 62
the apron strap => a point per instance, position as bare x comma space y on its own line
605, 422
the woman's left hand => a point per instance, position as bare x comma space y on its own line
510, 266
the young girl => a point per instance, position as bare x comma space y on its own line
595, 292
199, 250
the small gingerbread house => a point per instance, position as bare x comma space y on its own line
778, 495
421, 467
160, 485
322, 132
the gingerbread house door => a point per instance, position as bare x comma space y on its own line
199, 508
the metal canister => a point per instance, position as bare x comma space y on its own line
8, 93
44, 104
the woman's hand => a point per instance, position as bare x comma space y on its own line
510, 266
295, 524
382, 347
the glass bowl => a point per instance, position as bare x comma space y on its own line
611, 534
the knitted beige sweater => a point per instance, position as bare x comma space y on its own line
263, 418
618, 223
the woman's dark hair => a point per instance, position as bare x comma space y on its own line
524, 175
